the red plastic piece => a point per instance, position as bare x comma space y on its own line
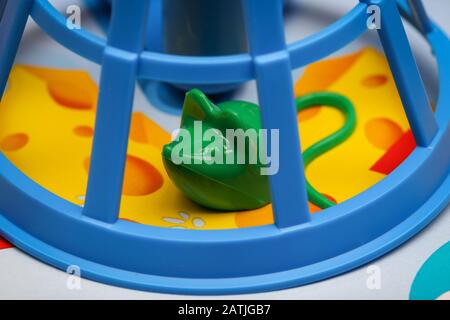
4, 244
396, 154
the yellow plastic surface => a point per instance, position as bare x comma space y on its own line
47, 120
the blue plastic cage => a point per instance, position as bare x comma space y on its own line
298, 248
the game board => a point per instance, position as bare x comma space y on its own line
27, 131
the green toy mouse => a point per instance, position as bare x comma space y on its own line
218, 157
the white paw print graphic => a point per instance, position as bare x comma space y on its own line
184, 221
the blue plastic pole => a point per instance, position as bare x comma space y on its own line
406, 73
117, 86
276, 97
155, 28
13, 18
2, 8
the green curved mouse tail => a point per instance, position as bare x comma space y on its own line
344, 105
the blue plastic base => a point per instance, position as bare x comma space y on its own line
267, 282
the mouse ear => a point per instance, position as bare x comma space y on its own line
197, 107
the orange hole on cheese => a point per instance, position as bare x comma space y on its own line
141, 178
308, 113
261, 217
374, 81
84, 131
14, 142
383, 132
71, 97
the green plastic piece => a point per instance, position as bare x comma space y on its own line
234, 185
319, 148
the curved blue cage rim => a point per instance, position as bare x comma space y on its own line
17, 179
202, 70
